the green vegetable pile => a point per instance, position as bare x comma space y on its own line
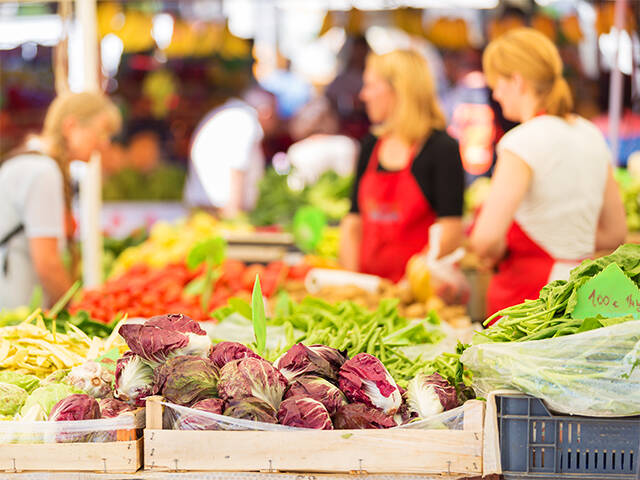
533, 348
278, 202
165, 182
348, 326
630, 189
550, 315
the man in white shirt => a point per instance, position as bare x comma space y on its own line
226, 159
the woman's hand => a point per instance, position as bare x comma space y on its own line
509, 184
54, 277
350, 240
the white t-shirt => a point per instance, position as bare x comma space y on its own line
228, 139
569, 162
318, 154
31, 194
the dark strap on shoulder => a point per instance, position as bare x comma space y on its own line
4, 241
18, 229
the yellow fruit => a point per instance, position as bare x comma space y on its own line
419, 278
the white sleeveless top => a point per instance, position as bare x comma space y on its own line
569, 162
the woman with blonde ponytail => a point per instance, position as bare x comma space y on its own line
36, 196
553, 199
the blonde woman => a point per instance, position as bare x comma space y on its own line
36, 195
553, 199
409, 173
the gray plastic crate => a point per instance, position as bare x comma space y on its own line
534, 443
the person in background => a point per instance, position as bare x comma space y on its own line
226, 159
318, 146
553, 199
292, 91
36, 196
343, 92
470, 118
409, 173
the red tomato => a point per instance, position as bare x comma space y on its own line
249, 275
298, 272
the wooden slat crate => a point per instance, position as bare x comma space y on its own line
328, 451
121, 456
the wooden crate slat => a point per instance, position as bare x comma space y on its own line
121, 457
380, 451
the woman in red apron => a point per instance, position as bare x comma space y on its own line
409, 174
553, 199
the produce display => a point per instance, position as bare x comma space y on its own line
550, 315
408, 305
54, 409
349, 327
143, 291
171, 243
581, 366
54, 377
279, 198
630, 189
164, 182
31, 347
113, 247
308, 386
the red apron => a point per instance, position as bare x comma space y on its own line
396, 218
521, 275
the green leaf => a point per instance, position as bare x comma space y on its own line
589, 324
212, 251
283, 305
194, 287
258, 317
241, 307
60, 304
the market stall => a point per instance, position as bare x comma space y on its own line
201, 344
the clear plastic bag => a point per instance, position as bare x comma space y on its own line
442, 276
595, 373
120, 428
177, 417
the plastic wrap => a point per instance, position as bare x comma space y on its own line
78, 431
177, 417
595, 373
445, 278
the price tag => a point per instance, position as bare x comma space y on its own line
609, 294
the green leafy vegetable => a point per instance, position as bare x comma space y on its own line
211, 252
550, 315
348, 326
258, 317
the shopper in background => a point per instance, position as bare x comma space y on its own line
36, 196
226, 159
553, 199
318, 146
409, 174
343, 92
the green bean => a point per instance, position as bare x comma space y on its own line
371, 345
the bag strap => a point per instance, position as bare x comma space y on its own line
5, 264
18, 229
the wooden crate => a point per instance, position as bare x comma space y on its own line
122, 456
329, 451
